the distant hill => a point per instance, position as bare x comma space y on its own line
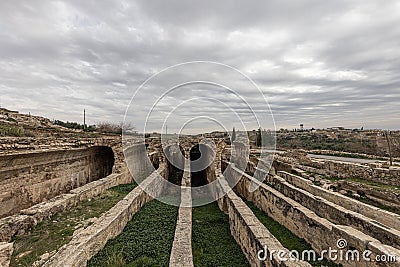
13, 123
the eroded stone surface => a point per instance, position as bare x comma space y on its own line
15, 224
28, 179
385, 217
87, 242
317, 231
181, 253
6, 250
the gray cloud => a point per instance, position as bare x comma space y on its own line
318, 63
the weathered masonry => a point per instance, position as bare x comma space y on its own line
30, 178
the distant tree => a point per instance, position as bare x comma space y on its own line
267, 139
387, 133
90, 128
109, 127
233, 137
259, 138
127, 128
69, 125
114, 128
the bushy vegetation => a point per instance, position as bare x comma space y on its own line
285, 236
51, 234
108, 127
312, 141
347, 155
75, 125
11, 131
15, 131
101, 127
11, 120
213, 244
146, 240
264, 138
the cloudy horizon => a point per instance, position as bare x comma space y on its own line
322, 64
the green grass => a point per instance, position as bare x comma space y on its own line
146, 240
315, 142
372, 202
285, 236
51, 234
11, 131
374, 184
212, 242
364, 199
11, 119
347, 155
330, 178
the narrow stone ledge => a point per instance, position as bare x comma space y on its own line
181, 253
336, 213
252, 236
14, 224
6, 250
317, 231
385, 217
87, 242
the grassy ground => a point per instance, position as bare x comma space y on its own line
314, 142
372, 202
375, 184
51, 234
365, 199
146, 240
212, 242
286, 237
11, 131
354, 156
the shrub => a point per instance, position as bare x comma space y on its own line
108, 127
11, 119
11, 131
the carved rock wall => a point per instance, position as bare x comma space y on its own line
30, 178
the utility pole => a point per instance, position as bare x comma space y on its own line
84, 119
390, 149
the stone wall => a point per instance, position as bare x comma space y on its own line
87, 242
387, 218
389, 176
250, 234
30, 178
336, 213
27, 218
384, 196
6, 250
317, 231
138, 162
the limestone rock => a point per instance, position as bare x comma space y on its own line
6, 250
343, 192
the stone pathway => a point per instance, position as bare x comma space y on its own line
181, 254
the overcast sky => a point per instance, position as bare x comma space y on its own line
321, 63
